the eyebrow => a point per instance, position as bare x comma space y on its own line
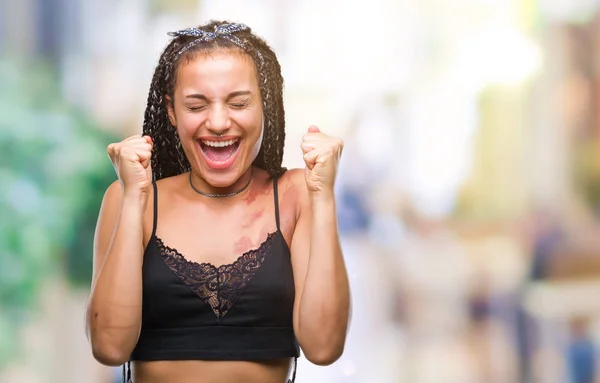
231, 95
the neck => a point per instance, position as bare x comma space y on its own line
240, 186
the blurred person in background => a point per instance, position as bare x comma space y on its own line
581, 352
202, 185
544, 235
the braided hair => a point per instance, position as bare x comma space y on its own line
168, 157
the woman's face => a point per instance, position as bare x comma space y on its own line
217, 111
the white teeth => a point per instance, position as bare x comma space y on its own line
218, 144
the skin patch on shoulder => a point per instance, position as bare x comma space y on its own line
255, 192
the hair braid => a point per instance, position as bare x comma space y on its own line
168, 158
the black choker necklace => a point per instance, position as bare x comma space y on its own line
218, 195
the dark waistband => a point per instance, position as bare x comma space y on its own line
216, 343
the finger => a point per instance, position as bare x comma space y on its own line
310, 158
110, 149
145, 161
307, 147
314, 137
313, 129
135, 136
144, 156
131, 154
149, 139
137, 140
116, 149
142, 146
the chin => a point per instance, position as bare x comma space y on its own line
223, 179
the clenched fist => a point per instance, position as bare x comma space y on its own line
131, 160
321, 154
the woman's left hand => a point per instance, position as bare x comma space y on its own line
322, 155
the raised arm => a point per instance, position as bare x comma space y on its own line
322, 305
114, 309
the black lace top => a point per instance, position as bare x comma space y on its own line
239, 311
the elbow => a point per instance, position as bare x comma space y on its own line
109, 356
108, 348
324, 356
108, 352
323, 348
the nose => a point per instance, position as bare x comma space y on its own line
218, 120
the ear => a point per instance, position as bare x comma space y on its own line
170, 110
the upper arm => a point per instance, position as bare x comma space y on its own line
105, 226
300, 244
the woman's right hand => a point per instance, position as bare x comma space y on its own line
131, 160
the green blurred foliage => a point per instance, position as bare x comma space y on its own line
53, 173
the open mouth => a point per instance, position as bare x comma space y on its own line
219, 152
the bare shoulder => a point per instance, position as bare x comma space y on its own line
111, 204
293, 185
293, 176
113, 193
173, 183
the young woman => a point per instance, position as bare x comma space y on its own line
212, 263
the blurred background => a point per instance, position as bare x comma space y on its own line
468, 196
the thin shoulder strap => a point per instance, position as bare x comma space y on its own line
293, 380
126, 373
155, 219
276, 197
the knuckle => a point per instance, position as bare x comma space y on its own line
126, 152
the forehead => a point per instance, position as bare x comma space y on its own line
216, 71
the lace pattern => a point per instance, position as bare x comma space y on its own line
219, 286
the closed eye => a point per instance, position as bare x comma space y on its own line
240, 103
196, 108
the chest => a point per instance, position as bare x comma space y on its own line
208, 234
256, 289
